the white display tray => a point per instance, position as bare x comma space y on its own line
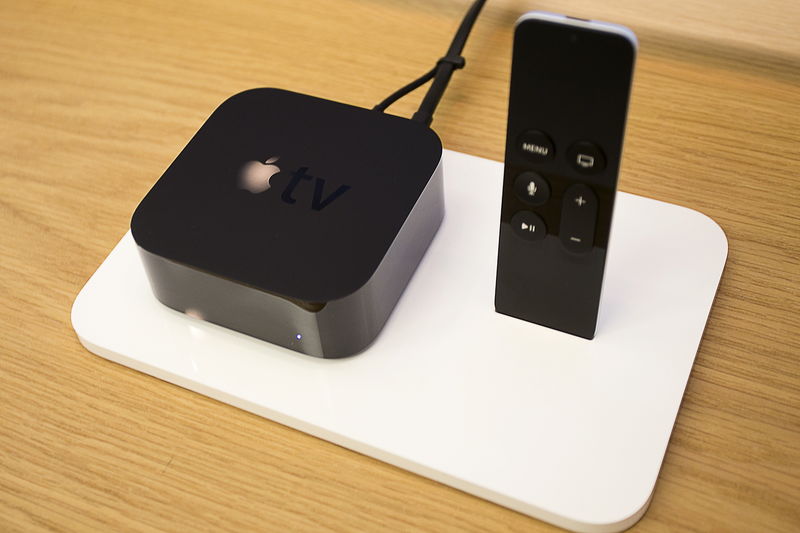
557, 427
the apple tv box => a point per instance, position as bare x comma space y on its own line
293, 219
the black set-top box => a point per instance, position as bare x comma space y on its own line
293, 219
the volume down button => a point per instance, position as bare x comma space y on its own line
578, 218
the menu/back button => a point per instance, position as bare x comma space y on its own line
536, 146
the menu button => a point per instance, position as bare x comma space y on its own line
536, 145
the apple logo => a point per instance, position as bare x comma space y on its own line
255, 175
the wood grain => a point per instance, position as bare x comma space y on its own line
97, 98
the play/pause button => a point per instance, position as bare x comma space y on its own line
529, 226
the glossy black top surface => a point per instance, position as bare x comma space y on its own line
343, 181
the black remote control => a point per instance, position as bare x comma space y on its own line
570, 85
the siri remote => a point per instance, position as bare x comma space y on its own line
570, 86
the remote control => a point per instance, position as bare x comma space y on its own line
570, 85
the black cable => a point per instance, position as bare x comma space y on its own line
445, 68
399, 93
441, 73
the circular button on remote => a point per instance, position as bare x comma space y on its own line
529, 226
536, 146
586, 157
531, 188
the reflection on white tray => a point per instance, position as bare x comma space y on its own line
557, 427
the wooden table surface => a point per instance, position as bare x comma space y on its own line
98, 97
